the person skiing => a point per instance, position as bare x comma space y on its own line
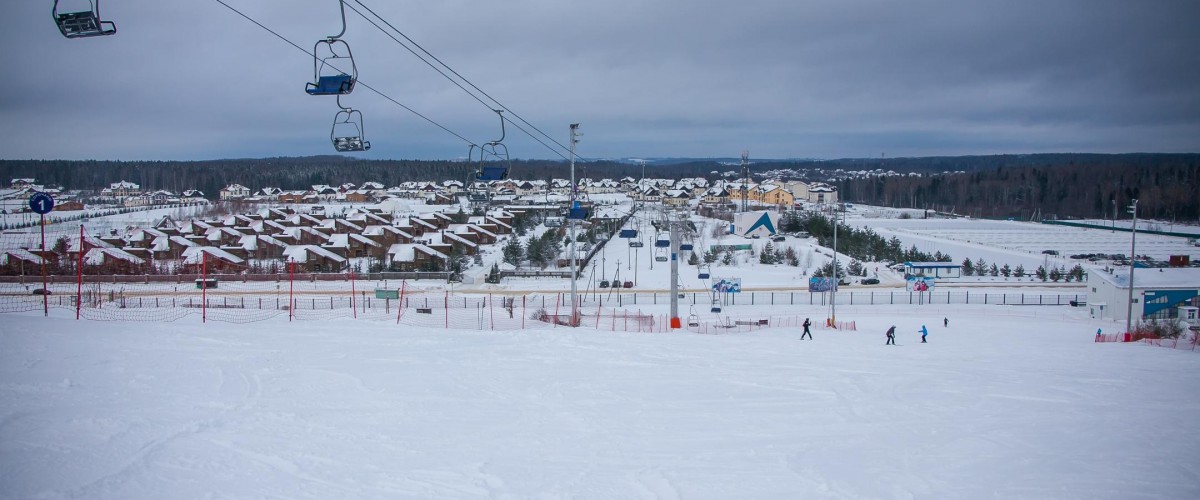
946, 322
807, 323
891, 336
924, 331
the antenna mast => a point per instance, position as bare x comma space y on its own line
745, 177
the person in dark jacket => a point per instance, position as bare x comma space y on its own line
891, 336
807, 323
946, 322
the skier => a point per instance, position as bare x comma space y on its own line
946, 322
924, 331
891, 336
1097, 335
807, 324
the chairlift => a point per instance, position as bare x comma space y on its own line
629, 233
704, 273
82, 23
578, 212
347, 133
661, 242
660, 255
693, 319
716, 306
636, 244
686, 247
493, 156
330, 57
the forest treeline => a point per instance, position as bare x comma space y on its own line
1038, 185
1167, 187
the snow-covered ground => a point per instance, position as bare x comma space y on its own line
1004, 403
1014, 242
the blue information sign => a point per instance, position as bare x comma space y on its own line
41, 203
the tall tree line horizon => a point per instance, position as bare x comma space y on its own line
1063, 185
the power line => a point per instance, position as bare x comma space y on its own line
460, 77
359, 82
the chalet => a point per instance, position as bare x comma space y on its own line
68, 206
112, 261
822, 193
313, 258
121, 189
415, 257
212, 260
17, 261
359, 196
192, 195
353, 245
676, 197
716, 195
234, 192
270, 193
23, 183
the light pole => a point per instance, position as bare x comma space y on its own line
1132, 265
571, 220
836, 279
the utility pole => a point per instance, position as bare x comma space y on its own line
1132, 265
672, 226
571, 221
836, 279
745, 177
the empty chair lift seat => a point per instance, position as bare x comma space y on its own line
331, 85
493, 173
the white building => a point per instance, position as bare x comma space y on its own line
1158, 293
234, 192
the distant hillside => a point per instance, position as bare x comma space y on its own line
1066, 185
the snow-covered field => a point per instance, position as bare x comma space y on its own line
1005, 403
1014, 242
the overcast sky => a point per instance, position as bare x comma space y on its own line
644, 78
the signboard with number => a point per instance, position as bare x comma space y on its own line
41, 203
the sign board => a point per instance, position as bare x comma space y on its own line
821, 284
383, 293
919, 283
727, 285
41, 203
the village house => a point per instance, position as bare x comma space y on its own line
234, 192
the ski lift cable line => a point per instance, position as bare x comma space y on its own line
455, 82
460, 77
359, 82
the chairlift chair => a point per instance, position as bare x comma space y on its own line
494, 164
636, 244
328, 68
716, 306
661, 242
83, 23
686, 247
704, 273
629, 233
347, 133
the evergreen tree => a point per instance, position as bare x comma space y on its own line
493, 275
981, 267
693, 259
994, 271
1006, 271
1055, 274
727, 259
768, 255
968, 267
855, 268
789, 256
513, 253
1040, 273
1019, 271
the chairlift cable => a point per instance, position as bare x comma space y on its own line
372, 89
464, 79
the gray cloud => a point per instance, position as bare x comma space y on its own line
662, 78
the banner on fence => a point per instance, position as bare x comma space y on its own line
919, 283
727, 285
821, 284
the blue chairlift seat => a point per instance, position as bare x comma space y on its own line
331, 85
636, 244
578, 213
662, 243
629, 233
703, 275
492, 173
686, 247
716, 307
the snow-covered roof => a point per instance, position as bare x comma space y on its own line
299, 253
98, 256
195, 255
1145, 277
20, 254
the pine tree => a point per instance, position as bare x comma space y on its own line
994, 271
493, 275
1040, 273
1006, 271
768, 255
790, 257
693, 259
513, 253
968, 267
1019, 271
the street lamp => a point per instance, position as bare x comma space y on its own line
1132, 265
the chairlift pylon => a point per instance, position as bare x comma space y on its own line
82, 23
330, 55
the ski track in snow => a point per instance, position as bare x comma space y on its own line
996, 406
